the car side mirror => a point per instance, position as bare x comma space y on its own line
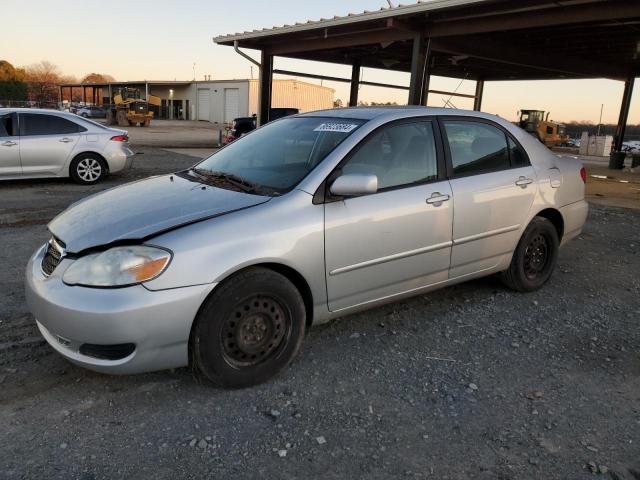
354, 184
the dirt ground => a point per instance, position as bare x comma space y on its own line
618, 188
469, 382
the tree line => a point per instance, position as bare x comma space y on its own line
39, 83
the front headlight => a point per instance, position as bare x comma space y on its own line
118, 267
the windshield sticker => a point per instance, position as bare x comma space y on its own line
336, 127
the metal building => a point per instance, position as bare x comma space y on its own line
215, 101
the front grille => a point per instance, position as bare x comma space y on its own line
52, 257
107, 352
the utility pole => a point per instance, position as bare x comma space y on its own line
194, 72
600, 122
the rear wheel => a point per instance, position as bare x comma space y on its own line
535, 257
87, 169
249, 329
121, 118
110, 118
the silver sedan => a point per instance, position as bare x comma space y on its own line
224, 266
45, 143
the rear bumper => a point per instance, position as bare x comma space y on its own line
119, 157
157, 323
574, 216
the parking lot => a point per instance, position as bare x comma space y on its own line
468, 382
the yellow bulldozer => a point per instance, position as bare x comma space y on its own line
551, 133
129, 109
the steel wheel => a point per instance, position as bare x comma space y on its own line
254, 332
250, 327
89, 169
536, 256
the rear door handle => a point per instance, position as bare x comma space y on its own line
437, 199
523, 182
8, 143
66, 140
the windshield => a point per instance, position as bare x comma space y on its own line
275, 158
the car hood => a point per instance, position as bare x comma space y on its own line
141, 209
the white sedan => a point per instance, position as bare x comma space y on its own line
46, 143
309, 218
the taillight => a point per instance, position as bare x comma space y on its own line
583, 174
120, 138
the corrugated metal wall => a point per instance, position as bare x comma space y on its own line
304, 96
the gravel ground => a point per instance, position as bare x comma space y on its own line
468, 382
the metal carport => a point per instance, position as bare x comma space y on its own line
481, 40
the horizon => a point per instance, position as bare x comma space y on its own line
162, 56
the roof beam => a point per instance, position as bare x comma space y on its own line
554, 16
512, 55
328, 41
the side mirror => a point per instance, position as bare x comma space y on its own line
354, 184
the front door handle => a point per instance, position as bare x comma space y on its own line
437, 199
522, 182
9, 143
66, 140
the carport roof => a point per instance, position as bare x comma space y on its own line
475, 39
133, 82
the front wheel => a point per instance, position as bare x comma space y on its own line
249, 329
535, 257
87, 169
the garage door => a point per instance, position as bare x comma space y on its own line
231, 104
204, 104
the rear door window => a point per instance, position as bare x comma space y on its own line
518, 156
42, 124
476, 147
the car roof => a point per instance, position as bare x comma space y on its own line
370, 113
31, 110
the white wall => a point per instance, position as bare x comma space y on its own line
216, 98
306, 97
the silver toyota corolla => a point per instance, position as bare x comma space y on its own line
45, 143
225, 265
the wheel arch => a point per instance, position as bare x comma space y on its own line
555, 217
288, 272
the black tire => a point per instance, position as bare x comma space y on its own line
88, 169
535, 257
249, 329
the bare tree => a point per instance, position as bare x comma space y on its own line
42, 82
98, 78
12, 86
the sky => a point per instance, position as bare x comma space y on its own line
162, 39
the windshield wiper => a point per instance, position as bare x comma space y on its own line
235, 180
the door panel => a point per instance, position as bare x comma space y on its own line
490, 211
493, 189
46, 143
384, 244
231, 104
398, 239
9, 146
204, 103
